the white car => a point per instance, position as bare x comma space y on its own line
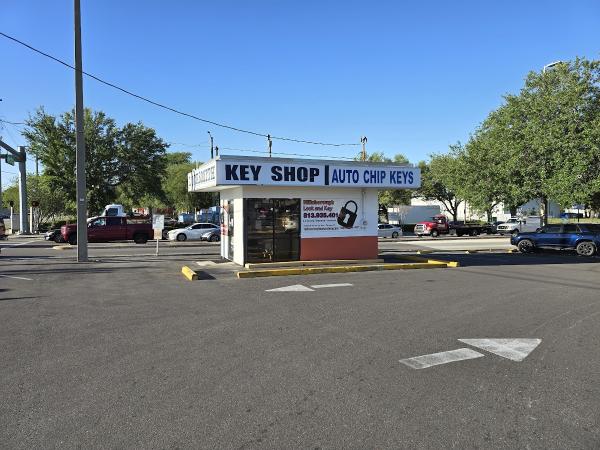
387, 230
193, 232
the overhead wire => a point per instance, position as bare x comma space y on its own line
284, 153
169, 108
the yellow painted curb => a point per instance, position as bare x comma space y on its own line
340, 269
432, 261
64, 247
189, 273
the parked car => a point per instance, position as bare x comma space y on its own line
583, 238
193, 232
110, 229
387, 230
213, 235
54, 235
2, 230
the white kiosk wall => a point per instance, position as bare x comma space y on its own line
321, 237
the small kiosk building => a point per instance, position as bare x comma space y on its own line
279, 209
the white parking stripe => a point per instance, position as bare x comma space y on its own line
16, 245
435, 359
16, 278
319, 286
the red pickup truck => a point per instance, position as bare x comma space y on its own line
439, 224
108, 229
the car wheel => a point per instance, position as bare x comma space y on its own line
165, 234
525, 246
73, 239
515, 232
394, 234
459, 233
474, 232
215, 238
181, 237
59, 239
586, 248
435, 233
140, 238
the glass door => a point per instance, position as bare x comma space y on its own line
259, 230
272, 230
286, 236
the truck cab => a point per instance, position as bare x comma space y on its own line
434, 227
516, 225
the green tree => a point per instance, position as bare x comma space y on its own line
439, 180
126, 161
52, 202
546, 140
175, 185
389, 197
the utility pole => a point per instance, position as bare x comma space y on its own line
212, 149
23, 219
270, 144
363, 141
82, 241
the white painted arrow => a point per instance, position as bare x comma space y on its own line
292, 288
435, 359
516, 349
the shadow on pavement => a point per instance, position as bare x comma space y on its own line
503, 259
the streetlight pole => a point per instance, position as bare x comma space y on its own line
82, 250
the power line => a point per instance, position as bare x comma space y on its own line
168, 108
286, 154
12, 123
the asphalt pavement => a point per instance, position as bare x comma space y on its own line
124, 352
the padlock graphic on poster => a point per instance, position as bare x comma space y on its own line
347, 217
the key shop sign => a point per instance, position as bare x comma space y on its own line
249, 172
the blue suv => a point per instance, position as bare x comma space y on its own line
583, 237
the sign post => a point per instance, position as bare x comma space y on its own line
158, 225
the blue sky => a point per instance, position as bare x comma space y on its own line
413, 77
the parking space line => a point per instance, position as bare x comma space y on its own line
16, 245
435, 359
16, 278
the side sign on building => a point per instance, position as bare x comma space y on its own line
248, 172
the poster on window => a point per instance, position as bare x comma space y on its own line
334, 217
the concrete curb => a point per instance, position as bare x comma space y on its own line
278, 265
341, 269
189, 273
64, 247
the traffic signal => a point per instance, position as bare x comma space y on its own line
11, 203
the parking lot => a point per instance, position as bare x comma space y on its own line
125, 352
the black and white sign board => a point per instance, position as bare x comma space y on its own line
262, 172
